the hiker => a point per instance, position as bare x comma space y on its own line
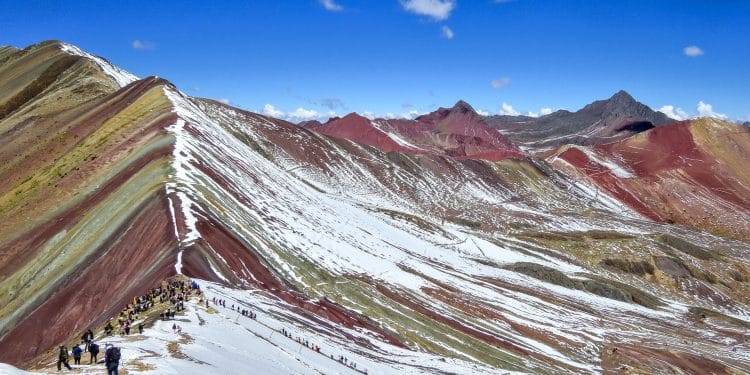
77, 354
112, 359
94, 351
127, 328
108, 328
86, 338
174, 327
140, 328
62, 358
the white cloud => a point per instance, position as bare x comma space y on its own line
270, 110
411, 115
500, 82
507, 110
707, 110
225, 101
298, 115
542, 112
482, 112
437, 9
331, 5
703, 110
674, 112
302, 114
693, 51
447, 32
142, 45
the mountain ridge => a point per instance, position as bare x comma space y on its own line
601, 121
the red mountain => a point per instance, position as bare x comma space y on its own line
457, 132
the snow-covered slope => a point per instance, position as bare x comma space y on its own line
122, 77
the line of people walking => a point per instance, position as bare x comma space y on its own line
316, 348
312, 346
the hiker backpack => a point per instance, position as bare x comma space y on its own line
113, 355
94, 348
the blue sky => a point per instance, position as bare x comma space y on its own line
306, 58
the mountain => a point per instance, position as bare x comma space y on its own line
747, 123
668, 174
457, 132
430, 245
602, 121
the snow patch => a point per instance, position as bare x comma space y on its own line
615, 168
122, 77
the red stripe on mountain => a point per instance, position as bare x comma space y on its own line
137, 257
607, 181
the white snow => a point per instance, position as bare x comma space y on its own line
615, 168
122, 77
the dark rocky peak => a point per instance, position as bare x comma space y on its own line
622, 96
620, 106
462, 107
747, 123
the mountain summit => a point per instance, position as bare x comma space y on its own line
462, 107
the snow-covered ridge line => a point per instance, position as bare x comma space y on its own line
122, 77
181, 159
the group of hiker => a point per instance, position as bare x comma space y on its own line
111, 354
175, 292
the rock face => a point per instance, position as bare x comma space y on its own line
426, 245
602, 121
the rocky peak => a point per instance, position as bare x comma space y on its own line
622, 96
462, 107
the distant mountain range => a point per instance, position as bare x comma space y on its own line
602, 121
611, 239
